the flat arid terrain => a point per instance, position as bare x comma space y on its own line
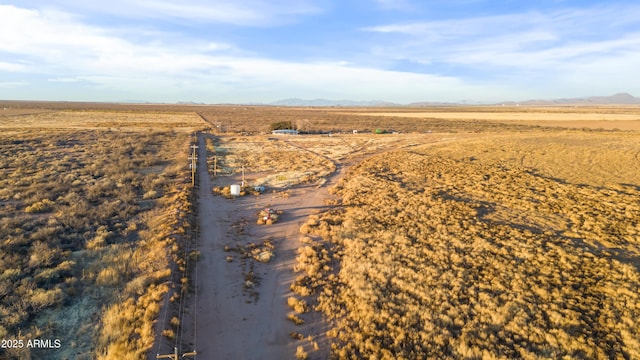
606, 118
95, 213
395, 233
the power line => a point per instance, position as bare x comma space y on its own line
166, 312
175, 355
195, 277
194, 159
182, 299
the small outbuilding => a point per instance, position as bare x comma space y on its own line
285, 132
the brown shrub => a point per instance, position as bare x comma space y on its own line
438, 260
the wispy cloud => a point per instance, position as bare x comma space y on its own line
12, 67
567, 47
66, 80
222, 55
65, 50
521, 39
248, 13
53, 41
12, 84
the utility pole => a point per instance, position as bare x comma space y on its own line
174, 356
243, 175
194, 159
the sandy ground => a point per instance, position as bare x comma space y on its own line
234, 322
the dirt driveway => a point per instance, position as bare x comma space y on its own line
233, 320
236, 321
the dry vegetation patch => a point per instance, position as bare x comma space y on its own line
278, 163
257, 119
591, 117
90, 222
530, 114
434, 257
88, 119
284, 161
579, 157
343, 148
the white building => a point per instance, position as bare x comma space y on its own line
285, 132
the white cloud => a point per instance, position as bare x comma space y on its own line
65, 80
579, 51
533, 40
218, 79
218, 46
66, 51
247, 12
12, 67
598, 20
52, 37
12, 84
53, 41
530, 49
338, 80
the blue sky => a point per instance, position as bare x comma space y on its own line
218, 51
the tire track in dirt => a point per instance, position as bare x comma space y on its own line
231, 323
336, 165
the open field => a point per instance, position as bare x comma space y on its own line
242, 302
114, 120
591, 158
268, 160
256, 119
494, 247
528, 114
467, 234
608, 118
284, 161
93, 218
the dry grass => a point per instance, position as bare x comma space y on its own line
621, 117
523, 244
344, 148
256, 119
284, 161
85, 221
437, 255
115, 120
593, 158
270, 161
524, 114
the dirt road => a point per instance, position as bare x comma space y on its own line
235, 321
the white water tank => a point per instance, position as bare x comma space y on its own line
235, 190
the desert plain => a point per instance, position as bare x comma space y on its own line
436, 232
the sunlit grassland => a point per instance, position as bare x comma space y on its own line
102, 119
464, 250
94, 212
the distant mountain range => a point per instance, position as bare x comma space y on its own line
325, 102
616, 99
